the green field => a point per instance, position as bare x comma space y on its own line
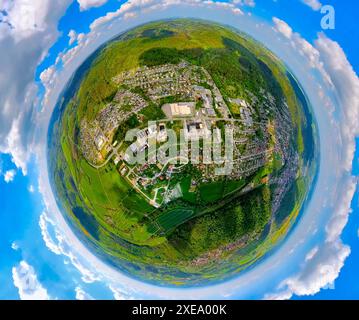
210, 216
171, 219
211, 192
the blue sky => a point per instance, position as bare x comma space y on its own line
29, 232
347, 285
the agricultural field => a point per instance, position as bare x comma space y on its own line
175, 222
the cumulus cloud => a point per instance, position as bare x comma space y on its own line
28, 28
9, 176
314, 4
311, 254
47, 78
44, 222
341, 210
59, 246
324, 262
15, 246
25, 279
304, 48
250, 3
24, 17
73, 36
87, 4
134, 7
282, 27
127, 10
119, 293
318, 272
346, 84
82, 295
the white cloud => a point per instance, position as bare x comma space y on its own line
73, 37
282, 27
341, 211
135, 7
314, 4
82, 295
31, 188
281, 295
311, 254
46, 236
87, 4
9, 176
48, 77
28, 29
59, 246
304, 48
318, 272
119, 294
15, 246
127, 10
346, 83
25, 279
323, 263
249, 3
25, 17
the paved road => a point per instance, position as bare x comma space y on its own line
114, 152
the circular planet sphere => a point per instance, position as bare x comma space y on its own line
182, 152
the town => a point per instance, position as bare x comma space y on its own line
195, 112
